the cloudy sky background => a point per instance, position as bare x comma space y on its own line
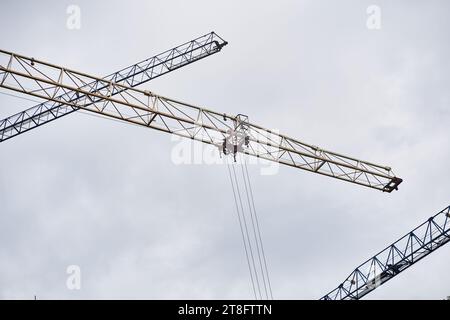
106, 196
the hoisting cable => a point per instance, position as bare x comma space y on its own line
238, 192
253, 225
242, 230
261, 247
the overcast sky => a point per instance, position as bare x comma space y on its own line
107, 196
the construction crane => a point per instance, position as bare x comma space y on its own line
230, 134
132, 76
397, 257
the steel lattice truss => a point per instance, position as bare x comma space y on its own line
106, 97
132, 76
411, 248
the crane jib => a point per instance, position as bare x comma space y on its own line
232, 133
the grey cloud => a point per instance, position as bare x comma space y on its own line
107, 197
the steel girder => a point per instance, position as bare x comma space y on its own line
399, 256
132, 76
76, 90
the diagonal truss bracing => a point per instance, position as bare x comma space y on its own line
106, 97
409, 249
132, 76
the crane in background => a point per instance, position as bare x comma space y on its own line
396, 258
131, 76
